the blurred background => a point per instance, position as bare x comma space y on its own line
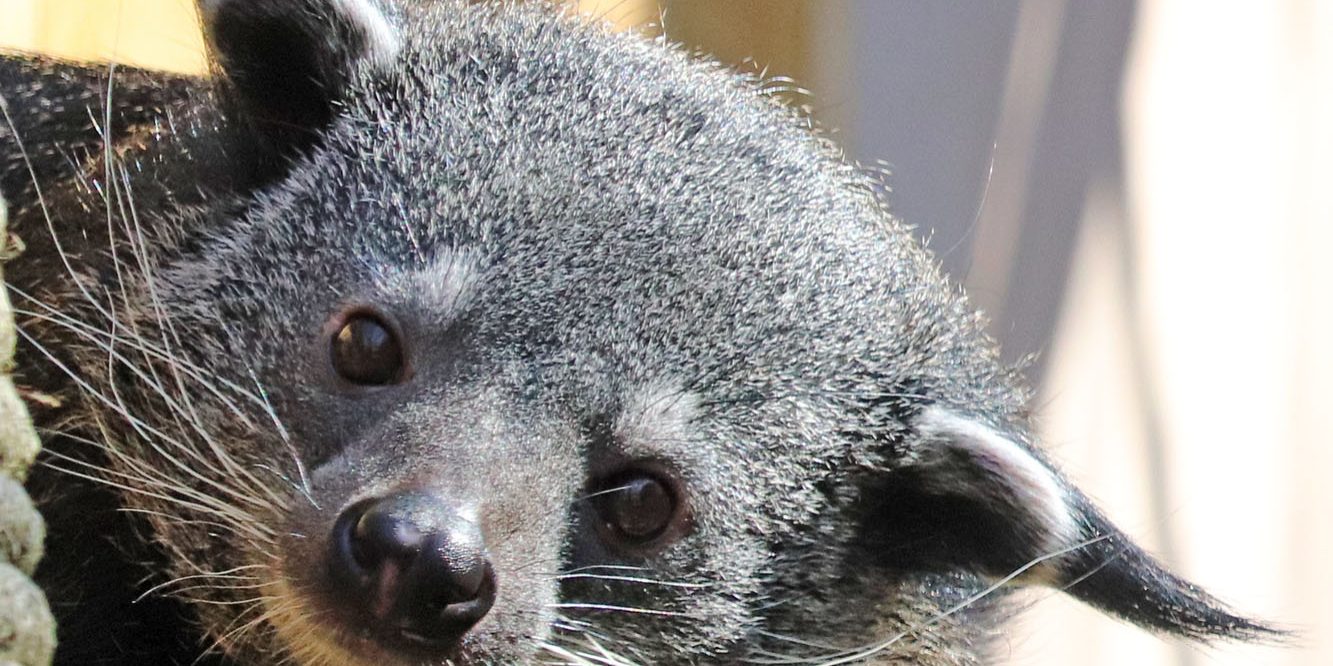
1140, 194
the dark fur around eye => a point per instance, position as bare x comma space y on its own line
366, 351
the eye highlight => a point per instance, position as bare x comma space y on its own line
367, 352
637, 510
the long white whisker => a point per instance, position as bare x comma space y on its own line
868, 652
46, 211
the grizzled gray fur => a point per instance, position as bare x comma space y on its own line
458, 333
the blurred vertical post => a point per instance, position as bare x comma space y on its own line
624, 14
755, 35
1193, 342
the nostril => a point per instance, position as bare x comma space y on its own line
349, 563
379, 535
455, 566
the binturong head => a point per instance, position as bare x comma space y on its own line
474, 333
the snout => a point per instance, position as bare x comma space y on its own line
414, 567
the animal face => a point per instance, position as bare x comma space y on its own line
472, 334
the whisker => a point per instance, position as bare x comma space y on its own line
46, 211
152, 436
632, 579
870, 651
229, 574
619, 609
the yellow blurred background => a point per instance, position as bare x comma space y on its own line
107, 30
1185, 318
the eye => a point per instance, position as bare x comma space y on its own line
636, 508
366, 351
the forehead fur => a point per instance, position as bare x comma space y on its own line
598, 176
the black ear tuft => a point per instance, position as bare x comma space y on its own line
286, 63
1111, 572
966, 496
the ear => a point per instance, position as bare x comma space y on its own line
965, 495
285, 64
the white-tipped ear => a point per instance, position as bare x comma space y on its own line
966, 496
287, 62
363, 23
381, 38
962, 456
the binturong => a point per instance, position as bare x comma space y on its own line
475, 333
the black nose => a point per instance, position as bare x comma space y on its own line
414, 566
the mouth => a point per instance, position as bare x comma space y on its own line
312, 632
439, 633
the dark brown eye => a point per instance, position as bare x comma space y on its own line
366, 352
636, 508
